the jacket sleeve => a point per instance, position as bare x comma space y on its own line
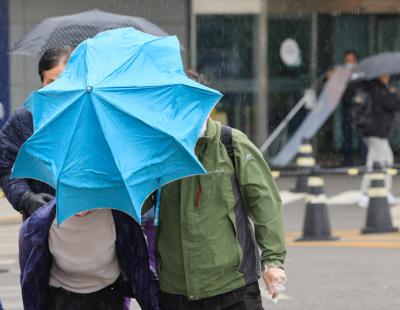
11, 140
391, 100
262, 200
154, 292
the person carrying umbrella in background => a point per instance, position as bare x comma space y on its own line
382, 102
375, 105
27, 195
350, 58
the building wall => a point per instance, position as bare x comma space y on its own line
171, 15
4, 64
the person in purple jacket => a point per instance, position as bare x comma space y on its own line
91, 261
27, 195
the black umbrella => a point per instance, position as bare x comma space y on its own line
377, 65
73, 29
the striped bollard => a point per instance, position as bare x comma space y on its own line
379, 219
305, 161
316, 220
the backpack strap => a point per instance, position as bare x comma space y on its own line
226, 139
245, 236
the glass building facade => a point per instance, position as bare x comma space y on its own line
225, 49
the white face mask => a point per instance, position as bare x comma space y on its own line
350, 66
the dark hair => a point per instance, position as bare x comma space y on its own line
52, 58
350, 52
198, 77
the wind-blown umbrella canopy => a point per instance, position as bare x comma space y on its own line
377, 65
71, 30
121, 121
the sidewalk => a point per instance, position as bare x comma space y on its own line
7, 213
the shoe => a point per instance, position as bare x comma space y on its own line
363, 201
391, 199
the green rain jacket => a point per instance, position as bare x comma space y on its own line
205, 243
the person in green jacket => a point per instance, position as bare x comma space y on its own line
208, 256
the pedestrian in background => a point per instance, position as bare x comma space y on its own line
207, 253
382, 104
27, 195
350, 61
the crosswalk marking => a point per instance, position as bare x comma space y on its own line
289, 197
345, 198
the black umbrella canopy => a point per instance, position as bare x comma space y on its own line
377, 65
73, 29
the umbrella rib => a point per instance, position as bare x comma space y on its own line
57, 115
135, 117
181, 147
112, 153
69, 146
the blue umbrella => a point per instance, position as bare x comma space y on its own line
121, 121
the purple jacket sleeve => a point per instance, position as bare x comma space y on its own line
15, 132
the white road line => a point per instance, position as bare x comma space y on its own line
289, 197
345, 198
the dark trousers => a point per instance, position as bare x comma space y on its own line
245, 298
109, 298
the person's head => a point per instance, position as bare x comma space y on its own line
195, 76
385, 79
350, 57
52, 63
199, 78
